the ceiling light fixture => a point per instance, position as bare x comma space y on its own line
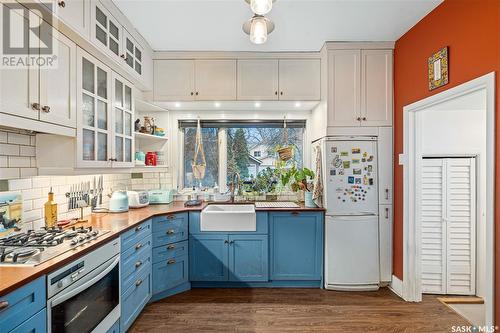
257, 104
261, 7
258, 27
217, 104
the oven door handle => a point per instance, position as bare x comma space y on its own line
77, 290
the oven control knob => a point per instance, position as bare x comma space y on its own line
74, 241
59, 284
81, 238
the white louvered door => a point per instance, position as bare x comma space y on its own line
448, 222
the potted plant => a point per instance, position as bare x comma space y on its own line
299, 180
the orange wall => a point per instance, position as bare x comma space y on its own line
471, 30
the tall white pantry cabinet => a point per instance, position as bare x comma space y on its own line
357, 100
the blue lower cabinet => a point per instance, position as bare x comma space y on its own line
170, 273
296, 245
115, 328
248, 258
134, 299
208, 257
22, 304
170, 229
36, 324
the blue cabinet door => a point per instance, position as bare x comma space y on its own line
248, 258
208, 257
134, 299
170, 273
36, 324
296, 245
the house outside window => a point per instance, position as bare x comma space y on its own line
244, 147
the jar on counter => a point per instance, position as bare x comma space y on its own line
151, 158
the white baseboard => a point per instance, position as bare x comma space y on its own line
396, 286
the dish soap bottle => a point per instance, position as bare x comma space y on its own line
50, 210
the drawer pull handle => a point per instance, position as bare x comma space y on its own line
295, 213
231, 242
35, 106
4, 305
170, 217
138, 246
46, 108
138, 283
171, 261
386, 194
138, 264
139, 228
226, 241
387, 213
170, 232
170, 247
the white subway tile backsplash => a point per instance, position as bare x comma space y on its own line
33, 193
4, 162
8, 149
19, 139
9, 173
20, 184
41, 181
3, 137
19, 162
27, 151
28, 172
33, 140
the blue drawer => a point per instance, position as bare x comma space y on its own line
36, 324
23, 303
165, 252
167, 234
132, 236
169, 221
135, 256
134, 299
170, 273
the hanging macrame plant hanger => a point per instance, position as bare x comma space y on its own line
199, 154
285, 153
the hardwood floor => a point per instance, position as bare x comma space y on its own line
294, 310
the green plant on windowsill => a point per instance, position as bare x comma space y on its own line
297, 179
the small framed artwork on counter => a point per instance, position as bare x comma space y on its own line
438, 68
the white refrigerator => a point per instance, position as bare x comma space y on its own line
351, 198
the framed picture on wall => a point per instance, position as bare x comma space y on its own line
438, 68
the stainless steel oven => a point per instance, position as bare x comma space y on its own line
84, 296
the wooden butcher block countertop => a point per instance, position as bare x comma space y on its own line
13, 277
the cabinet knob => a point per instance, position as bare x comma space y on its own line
358, 119
170, 232
35, 106
295, 213
4, 305
138, 246
61, 4
192, 93
196, 94
364, 118
137, 264
276, 93
46, 108
139, 228
113, 160
170, 217
170, 247
138, 283
226, 241
231, 242
171, 261
281, 93
123, 57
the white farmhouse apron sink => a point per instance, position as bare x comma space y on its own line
228, 218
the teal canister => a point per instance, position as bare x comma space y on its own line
308, 200
140, 156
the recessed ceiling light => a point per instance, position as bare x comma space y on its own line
177, 105
298, 104
257, 104
217, 104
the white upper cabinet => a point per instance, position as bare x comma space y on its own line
299, 79
123, 115
215, 80
376, 87
74, 13
173, 80
360, 87
132, 53
106, 30
58, 85
344, 89
257, 79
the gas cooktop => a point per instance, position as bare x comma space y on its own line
34, 247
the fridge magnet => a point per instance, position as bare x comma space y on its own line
346, 164
365, 180
370, 158
370, 181
356, 150
344, 153
333, 172
357, 181
341, 172
365, 154
370, 168
356, 171
355, 161
334, 149
363, 160
350, 180
337, 162
438, 68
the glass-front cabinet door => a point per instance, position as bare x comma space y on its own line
94, 128
132, 53
106, 31
123, 118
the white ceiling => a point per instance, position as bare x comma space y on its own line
301, 25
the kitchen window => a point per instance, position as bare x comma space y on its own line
244, 147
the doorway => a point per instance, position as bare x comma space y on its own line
457, 122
